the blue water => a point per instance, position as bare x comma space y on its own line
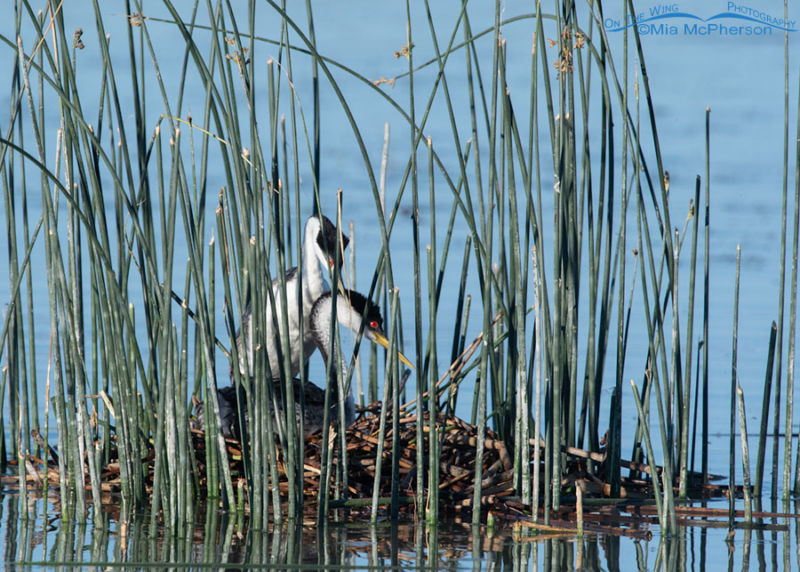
740, 78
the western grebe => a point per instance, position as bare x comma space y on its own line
319, 250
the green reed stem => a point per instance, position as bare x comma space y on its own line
787, 446
537, 409
706, 300
432, 508
782, 289
615, 421
748, 500
518, 372
676, 386
762, 434
419, 373
662, 513
458, 336
654, 378
393, 366
228, 498
787, 454
734, 384
687, 371
387, 389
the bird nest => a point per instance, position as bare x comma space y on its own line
457, 454
458, 442
457, 457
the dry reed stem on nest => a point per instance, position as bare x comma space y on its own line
458, 443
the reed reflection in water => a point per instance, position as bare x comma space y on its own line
220, 540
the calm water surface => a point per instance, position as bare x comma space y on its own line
739, 77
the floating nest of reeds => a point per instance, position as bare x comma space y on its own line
458, 443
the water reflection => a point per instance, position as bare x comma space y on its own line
218, 540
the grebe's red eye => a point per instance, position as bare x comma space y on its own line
330, 261
373, 324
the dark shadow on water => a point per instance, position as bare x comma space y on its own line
220, 540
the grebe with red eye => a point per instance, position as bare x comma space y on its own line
351, 309
319, 251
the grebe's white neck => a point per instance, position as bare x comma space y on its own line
314, 259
